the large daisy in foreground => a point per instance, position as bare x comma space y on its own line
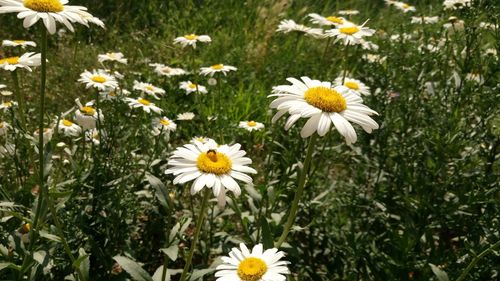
258, 265
323, 105
50, 11
211, 165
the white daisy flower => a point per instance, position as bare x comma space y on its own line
374, 58
118, 57
456, 4
164, 125
350, 32
322, 105
251, 125
18, 43
47, 135
404, 7
192, 39
390, 2
326, 21
488, 25
24, 61
353, 86
7, 104
216, 68
94, 136
148, 89
186, 116
88, 18
86, 116
287, 26
454, 25
4, 127
475, 77
367, 45
98, 79
69, 128
424, 20
2, 86
211, 165
109, 95
203, 140
257, 265
348, 12
146, 105
50, 11
190, 87
165, 70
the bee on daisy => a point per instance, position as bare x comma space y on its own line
251, 126
191, 40
350, 33
287, 26
256, 265
217, 68
98, 79
112, 57
191, 87
146, 105
165, 70
323, 105
353, 86
18, 43
163, 125
25, 61
148, 89
186, 116
68, 128
326, 21
4, 127
211, 165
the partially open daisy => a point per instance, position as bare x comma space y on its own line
257, 265
25, 61
353, 86
191, 87
113, 57
192, 39
4, 127
94, 136
163, 125
405, 7
322, 105
86, 116
68, 128
186, 116
216, 68
18, 43
211, 165
287, 26
148, 89
146, 105
7, 104
50, 11
251, 125
350, 32
98, 79
330, 20
47, 134
165, 70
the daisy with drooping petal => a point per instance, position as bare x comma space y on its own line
69, 128
165, 70
186, 116
98, 79
211, 165
331, 20
322, 105
118, 57
354, 86
86, 116
216, 68
148, 89
7, 104
24, 61
350, 32
251, 125
257, 265
49, 11
190, 87
146, 105
18, 43
192, 39
164, 125
287, 26
4, 127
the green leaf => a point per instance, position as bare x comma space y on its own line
161, 191
49, 236
197, 274
267, 238
133, 268
172, 252
83, 264
440, 274
5, 265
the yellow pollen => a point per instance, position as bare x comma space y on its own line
98, 79
192, 86
214, 162
67, 123
406, 6
252, 269
251, 123
191, 37
87, 110
143, 101
352, 85
335, 20
326, 99
218, 66
19, 41
26, 228
12, 60
349, 30
164, 122
7, 104
149, 88
44, 6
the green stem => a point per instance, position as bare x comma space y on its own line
19, 99
165, 265
199, 223
345, 62
243, 225
476, 259
300, 190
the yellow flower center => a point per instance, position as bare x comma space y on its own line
149, 88
67, 123
7, 104
12, 60
335, 20
44, 6
19, 41
251, 123
406, 6
191, 37
1, 125
98, 79
164, 122
326, 99
143, 101
349, 30
26, 228
192, 86
217, 66
352, 85
252, 269
87, 110
214, 162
